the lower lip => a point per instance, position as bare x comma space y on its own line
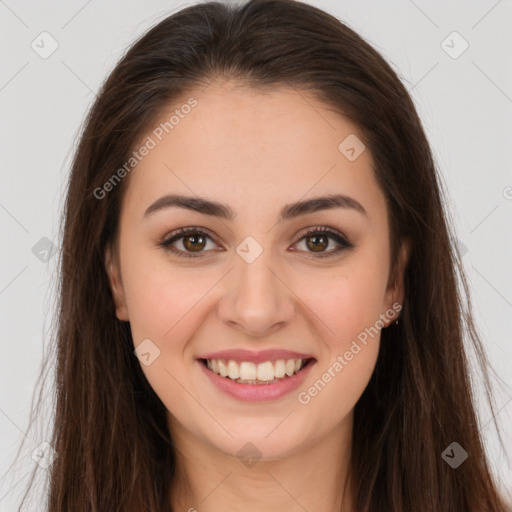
257, 392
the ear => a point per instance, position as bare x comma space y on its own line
395, 291
116, 285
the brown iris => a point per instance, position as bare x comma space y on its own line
194, 242
319, 242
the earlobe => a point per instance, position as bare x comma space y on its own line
116, 286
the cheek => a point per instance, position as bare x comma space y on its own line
347, 304
164, 306
346, 301
350, 329
162, 301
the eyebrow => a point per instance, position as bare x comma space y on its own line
289, 211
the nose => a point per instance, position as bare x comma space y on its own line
256, 300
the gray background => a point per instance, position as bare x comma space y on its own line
465, 104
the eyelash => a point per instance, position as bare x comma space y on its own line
181, 233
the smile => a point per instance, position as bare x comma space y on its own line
247, 372
250, 382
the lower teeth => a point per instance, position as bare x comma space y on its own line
257, 382
261, 382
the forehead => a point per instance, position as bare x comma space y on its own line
248, 147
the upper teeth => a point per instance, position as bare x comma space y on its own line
250, 371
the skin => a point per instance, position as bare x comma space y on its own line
255, 152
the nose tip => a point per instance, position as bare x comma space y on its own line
255, 327
257, 301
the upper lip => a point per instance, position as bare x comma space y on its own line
240, 355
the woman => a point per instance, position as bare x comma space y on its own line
259, 306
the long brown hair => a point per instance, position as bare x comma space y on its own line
110, 432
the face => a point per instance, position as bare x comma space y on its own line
255, 276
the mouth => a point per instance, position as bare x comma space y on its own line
257, 374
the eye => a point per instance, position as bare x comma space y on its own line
317, 240
194, 241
